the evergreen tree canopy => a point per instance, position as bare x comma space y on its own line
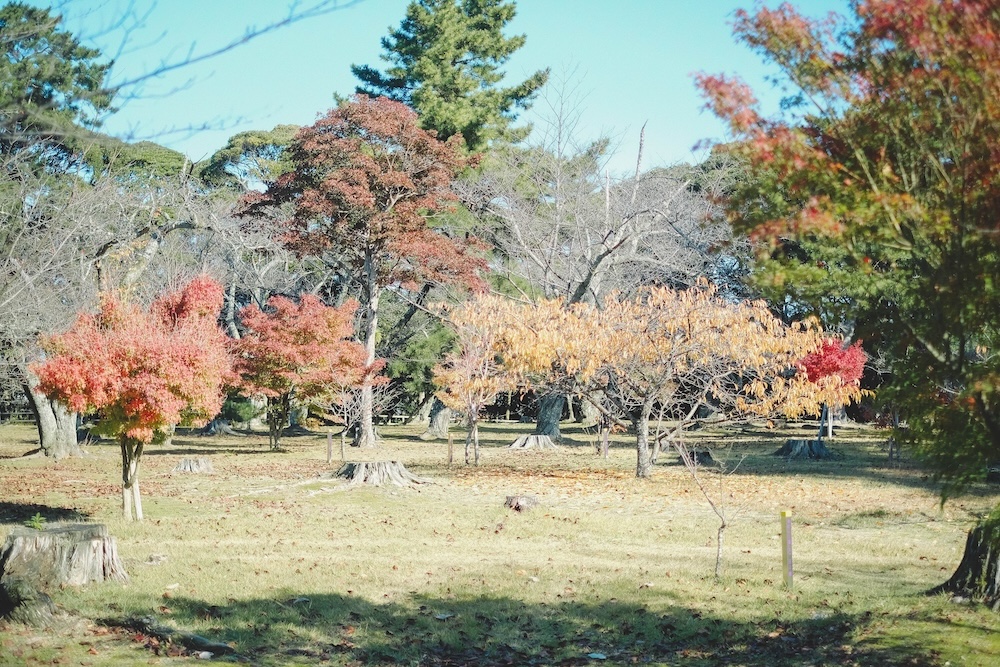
49, 83
444, 62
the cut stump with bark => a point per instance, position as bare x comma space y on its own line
533, 442
804, 449
198, 465
35, 561
378, 473
521, 503
978, 575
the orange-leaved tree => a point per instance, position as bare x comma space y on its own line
366, 179
142, 370
472, 375
680, 352
297, 351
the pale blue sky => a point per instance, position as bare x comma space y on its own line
632, 60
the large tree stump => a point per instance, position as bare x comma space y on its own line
34, 561
198, 465
978, 575
802, 449
533, 442
378, 473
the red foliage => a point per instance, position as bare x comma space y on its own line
302, 347
847, 363
366, 179
143, 370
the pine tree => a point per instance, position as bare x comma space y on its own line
444, 62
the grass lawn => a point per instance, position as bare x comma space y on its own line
293, 568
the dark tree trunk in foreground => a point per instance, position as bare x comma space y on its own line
35, 561
978, 575
550, 409
56, 425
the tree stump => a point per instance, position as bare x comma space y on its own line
978, 575
521, 503
33, 561
378, 473
801, 449
533, 442
198, 465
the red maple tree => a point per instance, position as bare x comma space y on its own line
834, 359
141, 370
366, 181
297, 351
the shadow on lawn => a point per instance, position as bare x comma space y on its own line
21, 512
308, 629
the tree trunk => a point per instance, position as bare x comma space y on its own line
440, 417
277, 417
644, 462
367, 438
978, 575
131, 500
533, 442
56, 424
801, 449
378, 473
550, 409
33, 561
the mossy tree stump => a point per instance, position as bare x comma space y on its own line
379, 473
35, 561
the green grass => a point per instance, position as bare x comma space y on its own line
292, 568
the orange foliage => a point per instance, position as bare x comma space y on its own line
142, 370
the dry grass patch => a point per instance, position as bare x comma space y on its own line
290, 566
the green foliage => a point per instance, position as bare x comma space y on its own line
238, 409
444, 62
49, 83
36, 522
411, 367
250, 158
876, 204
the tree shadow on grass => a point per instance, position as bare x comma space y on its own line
312, 628
21, 512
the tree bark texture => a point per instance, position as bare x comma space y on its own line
367, 438
978, 575
804, 449
550, 409
533, 442
34, 561
131, 500
378, 473
644, 457
56, 424
472, 441
200, 465
440, 418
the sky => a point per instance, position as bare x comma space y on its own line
624, 63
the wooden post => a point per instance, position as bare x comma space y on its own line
451, 450
329, 448
786, 547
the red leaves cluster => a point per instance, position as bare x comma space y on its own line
303, 347
143, 370
834, 359
366, 179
